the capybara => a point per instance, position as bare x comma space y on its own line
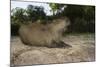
48, 35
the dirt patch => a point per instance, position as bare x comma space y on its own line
82, 50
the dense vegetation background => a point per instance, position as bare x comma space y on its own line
82, 17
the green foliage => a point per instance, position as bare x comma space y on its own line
56, 7
89, 13
35, 12
18, 15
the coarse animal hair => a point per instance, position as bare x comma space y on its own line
48, 35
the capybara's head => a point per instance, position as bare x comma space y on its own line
60, 24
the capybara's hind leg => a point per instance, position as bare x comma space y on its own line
62, 44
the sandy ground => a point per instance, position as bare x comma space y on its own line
82, 50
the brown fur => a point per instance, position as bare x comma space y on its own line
43, 35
